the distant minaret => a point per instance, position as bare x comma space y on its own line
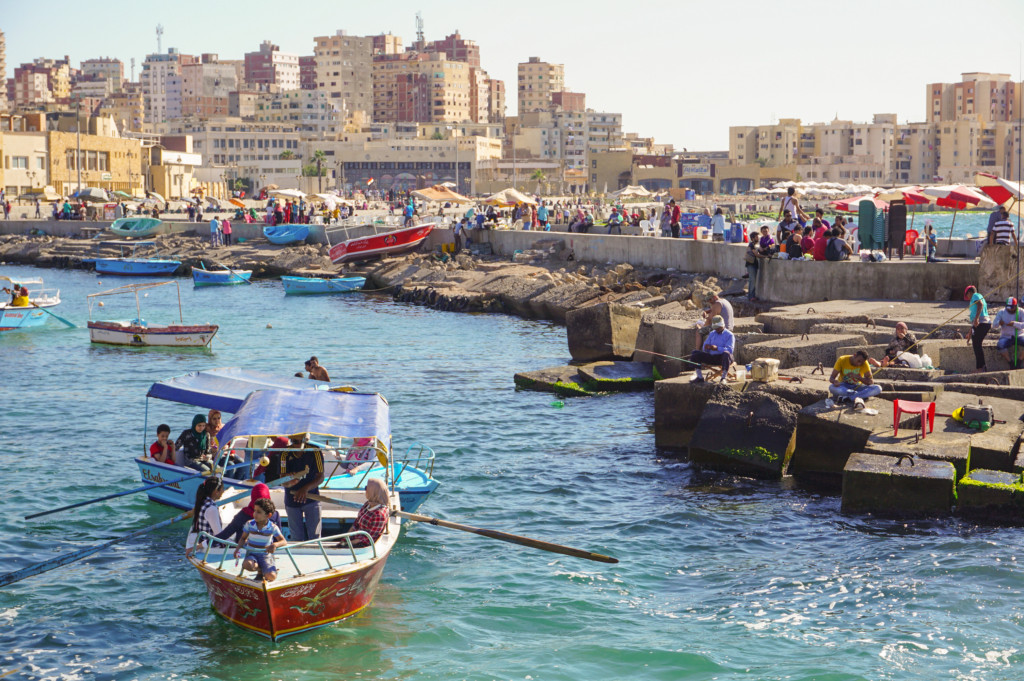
159, 38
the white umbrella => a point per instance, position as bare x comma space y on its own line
154, 195
287, 193
762, 190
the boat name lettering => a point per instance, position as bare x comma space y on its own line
157, 478
299, 590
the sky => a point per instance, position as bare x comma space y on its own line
682, 71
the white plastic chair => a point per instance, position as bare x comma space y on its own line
647, 228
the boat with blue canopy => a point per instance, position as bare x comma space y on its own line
131, 264
286, 234
352, 431
296, 286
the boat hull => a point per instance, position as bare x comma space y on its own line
277, 610
21, 318
178, 336
374, 245
136, 267
286, 234
202, 277
138, 227
297, 286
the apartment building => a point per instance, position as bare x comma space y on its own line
205, 85
537, 81
270, 66
421, 86
344, 69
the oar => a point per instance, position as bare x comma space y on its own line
121, 494
232, 271
493, 534
75, 556
57, 317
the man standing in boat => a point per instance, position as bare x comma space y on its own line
303, 513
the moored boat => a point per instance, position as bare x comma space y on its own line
201, 277
286, 234
140, 333
294, 286
23, 317
129, 264
140, 227
380, 243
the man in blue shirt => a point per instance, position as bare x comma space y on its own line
716, 351
542, 217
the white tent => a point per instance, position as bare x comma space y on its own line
631, 190
287, 193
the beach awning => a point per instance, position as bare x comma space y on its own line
632, 190
287, 193
913, 196
999, 189
91, 195
508, 197
440, 193
226, 388
319, 412
957, 196
853, 205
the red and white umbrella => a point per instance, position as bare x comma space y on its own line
912, 196
853, 205
956, 196
999, 189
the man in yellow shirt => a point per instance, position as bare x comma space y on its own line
851, 380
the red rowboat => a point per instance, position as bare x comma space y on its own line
373, 245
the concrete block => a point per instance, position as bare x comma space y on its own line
556, 302
996, 495
742, 325
602, 331
678, 405
743, 355
645, 336
882, 485
792, 352
1003, 377
997, 448
898, 374
672, 337
618, 376
872, 334
1005, 392
959, 358
565, 381
789, 323
954, 448
877, 350
749, 434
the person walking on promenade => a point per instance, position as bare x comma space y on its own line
225, 230
39, 214
981, 324
214, 232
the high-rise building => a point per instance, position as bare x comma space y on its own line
495, 100
127, 108
44, 81
421, 87
3, 72
307, 73
161, 85
457, 49
104, 68
537, 80
271, 66
989, 96
205, 86
344, 69
385, 43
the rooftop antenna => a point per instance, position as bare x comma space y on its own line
159, 38
419, 28
133, 70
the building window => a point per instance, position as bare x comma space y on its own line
19, 162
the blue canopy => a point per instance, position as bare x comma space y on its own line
225, 389
319, 412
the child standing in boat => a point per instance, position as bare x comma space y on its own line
258, 540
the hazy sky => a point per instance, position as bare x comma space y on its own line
682, 71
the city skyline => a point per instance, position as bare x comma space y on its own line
685, 89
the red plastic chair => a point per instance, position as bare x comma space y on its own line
926, 410
911, 241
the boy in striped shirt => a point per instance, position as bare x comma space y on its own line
258, 539
1002, 230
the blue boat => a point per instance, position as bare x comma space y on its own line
296, 286
286, 234
131, 265
22, 318
201, 277
344, 425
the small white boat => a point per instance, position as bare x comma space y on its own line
140, 333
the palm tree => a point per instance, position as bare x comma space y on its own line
320, 158
540, 177
287, 155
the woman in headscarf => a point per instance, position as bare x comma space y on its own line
196, 444
234, 529
373, 516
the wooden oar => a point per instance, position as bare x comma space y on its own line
74, 556
57, 317
121, 494
231, 271
493, 534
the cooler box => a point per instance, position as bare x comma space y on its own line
764, 369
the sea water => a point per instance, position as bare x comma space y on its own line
720, 577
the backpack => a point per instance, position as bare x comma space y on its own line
834, 251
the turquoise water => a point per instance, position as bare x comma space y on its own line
967, 223
721, 577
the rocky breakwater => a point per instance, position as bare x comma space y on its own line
264, 259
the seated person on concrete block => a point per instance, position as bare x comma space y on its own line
1010, 340
903, 342
720, 307
851, 379
716, 351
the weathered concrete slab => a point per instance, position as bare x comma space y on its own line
872, 334
514, 291
997, 448
954, 448
1006, 377
565, 381
1005, 392
794, 351
650, 317
556, 302
883, 485
744, 341
959, 359
899, 374
618, 376
672, 338
678, 406
995, 495
750, 434
877, 351
789, 322
602, 331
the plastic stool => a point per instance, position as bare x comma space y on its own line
924, 409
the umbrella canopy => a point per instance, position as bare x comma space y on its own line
957, 196
440, 193
508, 197
632, 190
236, 202
91, 195
762, 190
450, 185
999, 189
913, 196
270, 188
214, 201
853, 205
287, 193
154, 195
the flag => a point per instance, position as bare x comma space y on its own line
369, 182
